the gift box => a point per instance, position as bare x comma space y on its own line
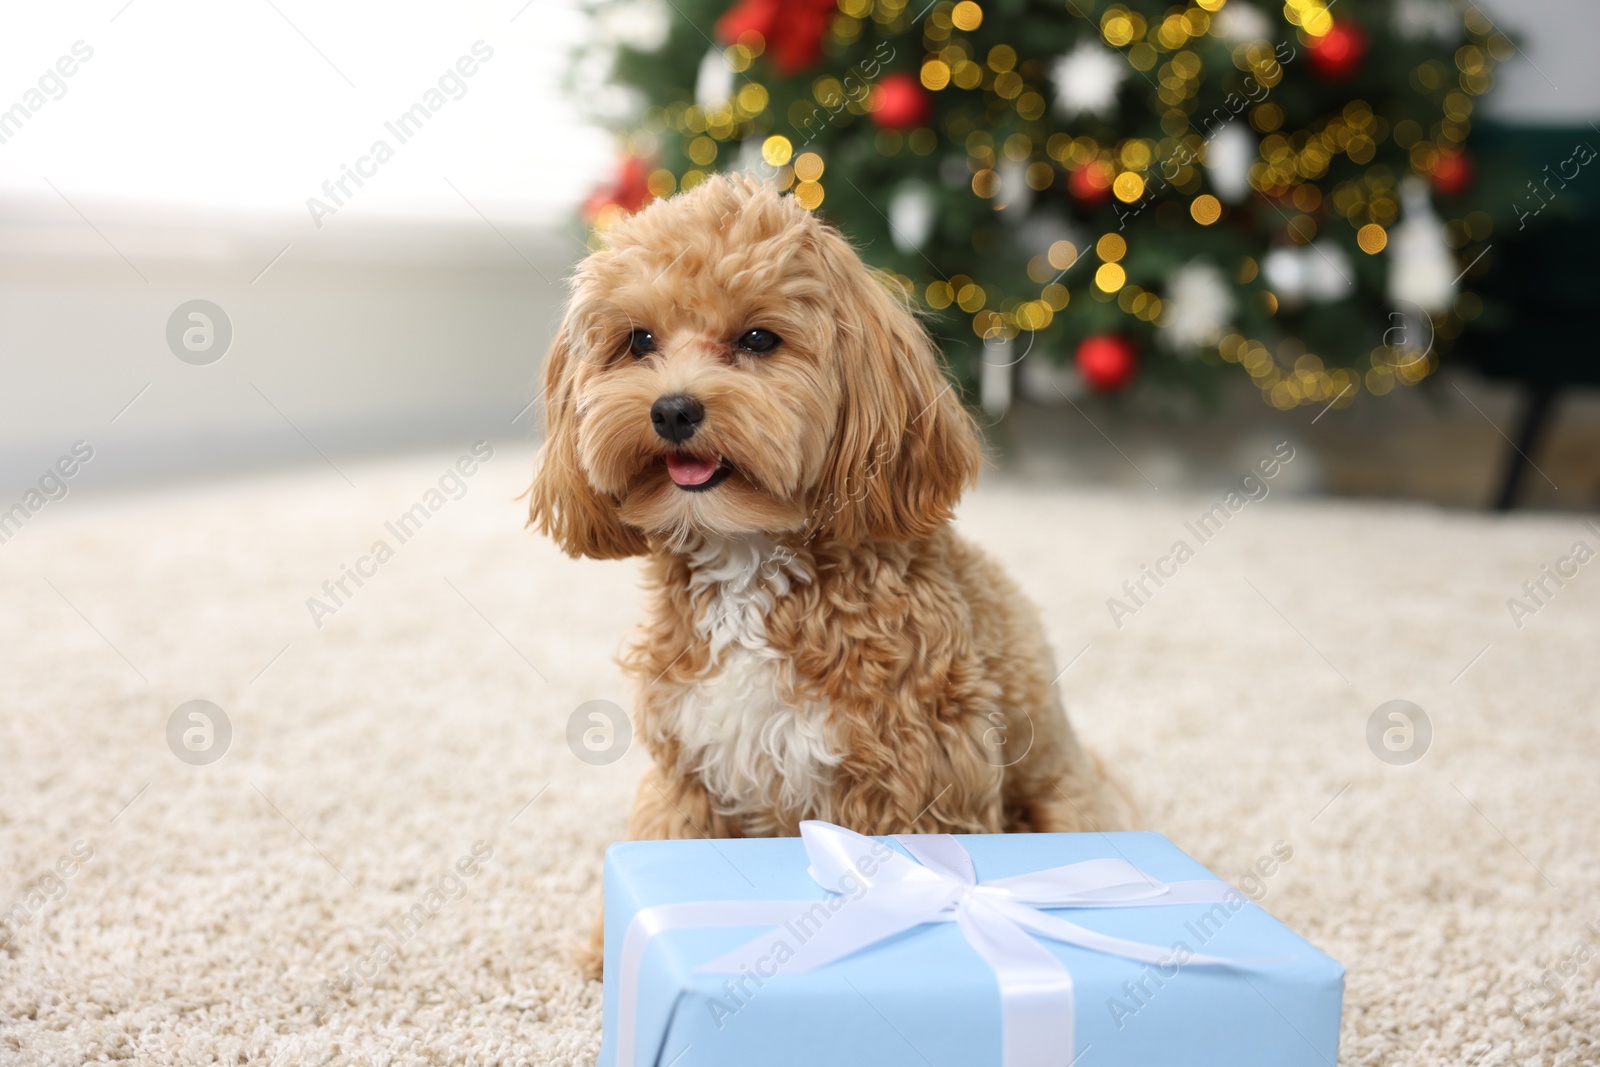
1013, 950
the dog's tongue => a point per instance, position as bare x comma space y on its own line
690, 470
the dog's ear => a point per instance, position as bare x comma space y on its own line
561, 502
905, 448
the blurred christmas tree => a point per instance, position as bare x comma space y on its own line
1163, 193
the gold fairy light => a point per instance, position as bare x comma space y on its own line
808, 167
967, 74
809, 194
775, 150
1266, 117
703, 150
752, 98
844, 28
1117, 27
1033, 315
1110, 277
1173, 33
661, 183
1062, 254
1205, 209
990, 324
1372, 238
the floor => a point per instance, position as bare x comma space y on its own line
384, 738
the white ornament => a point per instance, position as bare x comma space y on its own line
713, 85
1015, 193
1422, 272
1228, 158
1199, 304
641, 25
911, 217
1416, 20
1087, 79
1240, 22
1329, 274
1284, 271
1320, 271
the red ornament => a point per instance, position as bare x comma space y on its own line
1451, 173
792, 29
628, 191
899, 102
1336, 54
1091, 183
1107, 362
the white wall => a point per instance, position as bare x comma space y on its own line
176, 161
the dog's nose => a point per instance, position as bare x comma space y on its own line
676, 417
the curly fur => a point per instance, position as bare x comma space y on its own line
820, 643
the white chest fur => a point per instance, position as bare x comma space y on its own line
745, 737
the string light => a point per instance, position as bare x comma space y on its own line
1205, 209
1023, 153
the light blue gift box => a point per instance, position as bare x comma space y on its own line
923, 995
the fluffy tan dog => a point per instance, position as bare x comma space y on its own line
734, 396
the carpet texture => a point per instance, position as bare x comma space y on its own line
411, 750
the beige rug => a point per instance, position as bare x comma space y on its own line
167, 913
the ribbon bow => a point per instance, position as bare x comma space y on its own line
882, 893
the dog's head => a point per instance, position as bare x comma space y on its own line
728, 365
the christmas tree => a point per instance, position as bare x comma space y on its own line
1164, 194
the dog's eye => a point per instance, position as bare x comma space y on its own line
758, 341
641, 343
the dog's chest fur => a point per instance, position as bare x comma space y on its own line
743, 734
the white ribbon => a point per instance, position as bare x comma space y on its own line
1000, 919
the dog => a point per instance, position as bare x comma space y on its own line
734, 396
